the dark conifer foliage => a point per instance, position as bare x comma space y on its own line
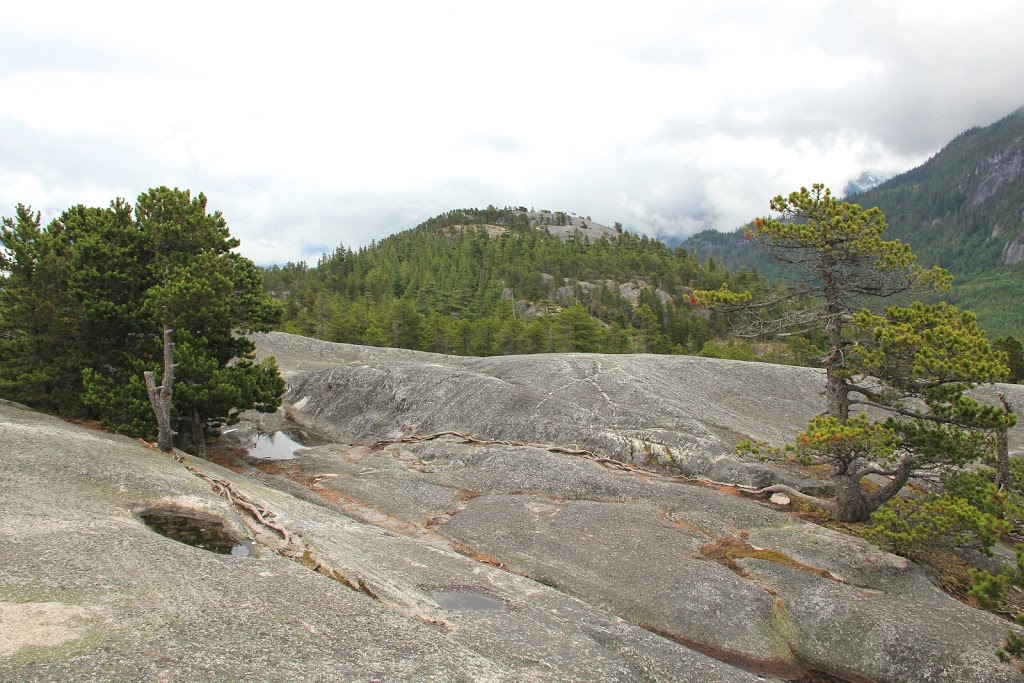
84, 303
496, 281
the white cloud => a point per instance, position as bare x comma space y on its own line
344, 122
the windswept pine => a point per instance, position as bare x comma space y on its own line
913, 365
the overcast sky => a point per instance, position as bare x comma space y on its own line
313, 124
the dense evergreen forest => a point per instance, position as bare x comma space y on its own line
497, 281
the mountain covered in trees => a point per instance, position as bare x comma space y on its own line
963, 210
508, 281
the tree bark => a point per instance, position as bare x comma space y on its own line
160, 397
198, 437
837, 394
1003, 449
878, 498
851, 504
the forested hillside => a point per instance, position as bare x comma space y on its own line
498, 281
963, 210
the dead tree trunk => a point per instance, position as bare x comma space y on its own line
198, 437
160, 397
1003, 449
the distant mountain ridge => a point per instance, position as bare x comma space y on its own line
505, 281
864, 182
963, 209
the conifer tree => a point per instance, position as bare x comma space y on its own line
912, 364
116, 281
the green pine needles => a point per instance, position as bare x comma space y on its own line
84, 302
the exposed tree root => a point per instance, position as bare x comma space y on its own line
294, 547
823, 503
465, 438
239, 500
609, 463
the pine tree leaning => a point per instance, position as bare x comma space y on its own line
910, 367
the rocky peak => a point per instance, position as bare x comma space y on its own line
1013, 252
998, 171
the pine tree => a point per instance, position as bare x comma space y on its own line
116, 282
914, 364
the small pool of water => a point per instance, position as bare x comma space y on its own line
195, 531
461, 600
283, 444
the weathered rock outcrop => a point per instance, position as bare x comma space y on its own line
1013, 252
455, 560
998, 171
727, 576
683, 413
88, 592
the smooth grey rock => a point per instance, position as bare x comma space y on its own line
678, 413
88, 592
675, 412
865, 633
631, 543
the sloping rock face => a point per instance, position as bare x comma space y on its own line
730, 577
679, 411
457, 560
1013, 252
682, 413
89, 593
999, 171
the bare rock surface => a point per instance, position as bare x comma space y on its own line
449, 560
746, 582
89, 592
681, 413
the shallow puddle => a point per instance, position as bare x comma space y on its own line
466, 601
283, 444
201, 533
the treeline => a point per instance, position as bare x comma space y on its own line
494, 281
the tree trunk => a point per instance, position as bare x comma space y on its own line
837, 395
851, 505
1003, 449
879, 497
160, 397
198, 437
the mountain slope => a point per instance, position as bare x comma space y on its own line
963, 209
504, 281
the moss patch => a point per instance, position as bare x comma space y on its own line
725, 551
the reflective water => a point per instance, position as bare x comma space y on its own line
466, 601
276, 446
282, 445
195, 531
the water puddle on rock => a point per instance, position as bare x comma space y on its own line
283, 444
461, 600
195, 531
